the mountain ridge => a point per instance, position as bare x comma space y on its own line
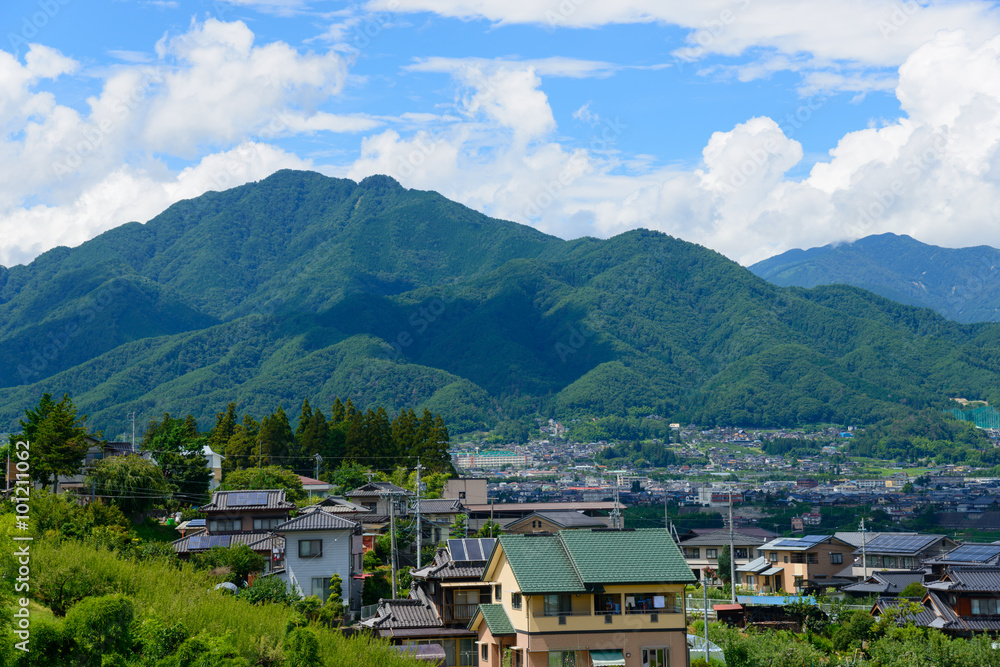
304, 286
962, 284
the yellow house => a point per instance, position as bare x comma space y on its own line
585, 597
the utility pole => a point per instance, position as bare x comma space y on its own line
392, 540
864, 553
132, 415
704, 590
616, 514
732, 555
318, 459
420, 529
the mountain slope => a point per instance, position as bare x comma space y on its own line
962, 284
303, 286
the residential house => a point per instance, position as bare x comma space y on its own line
797, 564
96, 451
214, 461
965, 555
315, 487
966, 601
552, 522
888, 584
504, 512
585, 597
319, 545
443, 598
241, 517
701, 547
896, 551
470, 490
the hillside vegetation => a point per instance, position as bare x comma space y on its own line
303, 286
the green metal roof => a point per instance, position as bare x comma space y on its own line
540, 564
496, 619
647, 555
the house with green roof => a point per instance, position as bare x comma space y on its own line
582, 598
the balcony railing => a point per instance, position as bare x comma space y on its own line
669, 609
582, 612
460, 612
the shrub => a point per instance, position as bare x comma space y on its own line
100, 626
301, 648
267, 590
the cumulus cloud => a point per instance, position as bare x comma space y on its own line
210, 91
933, 173
835, 37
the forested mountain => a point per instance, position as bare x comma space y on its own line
303, 286
962, 284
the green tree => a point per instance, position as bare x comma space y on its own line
725, 565
242, 449
315, 436
177, 447
301, 648
225, 428
57, 436
489, 529
268, 477
914, 589
349, 476
459, 527
130, 482
100, 626
277, 442
236, 563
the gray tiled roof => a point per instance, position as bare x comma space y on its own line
562, 519
253, 540
409, 613
886, 583
221, 502
377, 489
441, 506
973, 579
721, 537
316, 521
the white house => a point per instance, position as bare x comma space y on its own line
319, 545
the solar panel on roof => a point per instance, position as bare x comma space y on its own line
975, 553
457, 549
244, 498
473, 550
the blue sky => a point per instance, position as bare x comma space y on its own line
748, 126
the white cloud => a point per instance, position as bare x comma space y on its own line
829, 36
68, 174
933, 174
129, 193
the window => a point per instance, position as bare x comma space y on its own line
607, 603
266, 523
515, 600
711, 553
692, 552
310, 548
656, 657
461, 495
812, 559
497, 593
749, 580
224, 525
562, 658
484, 652
786, 559
558, 604
773, 557
985, 607
741, 553
646, 603
836, 559
321, 588
798, 581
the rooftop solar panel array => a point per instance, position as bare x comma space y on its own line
901, 543
973, 553
245, 498
472, 549
208, 541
